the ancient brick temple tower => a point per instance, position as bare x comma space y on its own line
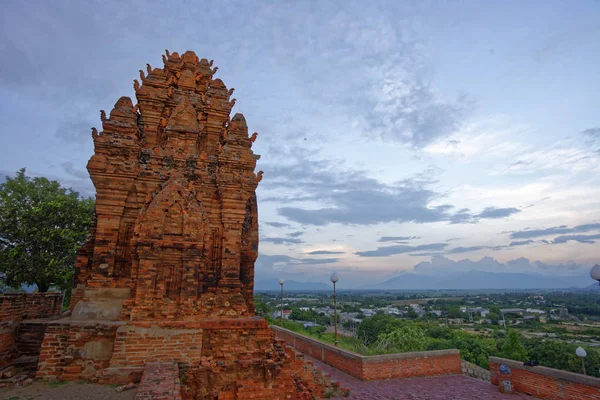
167, 271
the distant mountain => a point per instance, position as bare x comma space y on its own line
484, 280
594, 287
290, 285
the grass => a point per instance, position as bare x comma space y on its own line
56, 383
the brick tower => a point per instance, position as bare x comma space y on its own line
167, 271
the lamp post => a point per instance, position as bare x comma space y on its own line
581, 353
281, 282
595, 272
334, 278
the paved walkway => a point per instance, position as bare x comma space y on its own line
450, 387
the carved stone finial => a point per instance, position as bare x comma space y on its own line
203, 97
259, 176
253, 137
94, 133
136, 85
136, 108
170, 91
224, 133
102, 115
230, 91
232, 103
163, 122
148, 68
167, 52
164, 59
214, 70
210, 64
142, 77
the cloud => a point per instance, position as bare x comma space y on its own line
295, 234
324, 252
280, 240
593, 132
557, 230
494, 213
349, 196
577, 238
278, 224
458, 250
400, 249
521, 243
70, 170
397, 238
268, 263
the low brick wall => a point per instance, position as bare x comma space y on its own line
474, 371
160, 381
14, 308
401, 365
546, 383
43, 305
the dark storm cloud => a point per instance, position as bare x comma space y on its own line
323, 252
557, 230
400, 249
397, 238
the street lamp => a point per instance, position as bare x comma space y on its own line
334, 278
281, 282
581, 353
595, 272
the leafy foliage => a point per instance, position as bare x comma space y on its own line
41, 227
370, 329
513, 348
404, 339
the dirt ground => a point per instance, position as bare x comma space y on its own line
67, 391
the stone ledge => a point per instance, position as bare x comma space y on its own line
551, 372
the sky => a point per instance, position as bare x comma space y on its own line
393, 134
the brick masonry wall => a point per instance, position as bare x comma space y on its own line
43, 305
14, 307
404, 365
160, 381
76, 351
137, 345
546, 383
30, 336
474, 371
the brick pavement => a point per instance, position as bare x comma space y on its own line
449, 387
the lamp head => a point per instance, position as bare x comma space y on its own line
580, 352
281, 281
334, 277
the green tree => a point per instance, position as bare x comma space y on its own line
513, 348
41, 227
261, 308
370, 328
400, 340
